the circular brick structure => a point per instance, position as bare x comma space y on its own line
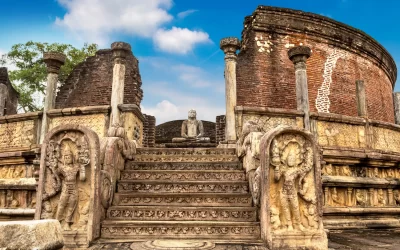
340, 56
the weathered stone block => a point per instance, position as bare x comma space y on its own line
36, 234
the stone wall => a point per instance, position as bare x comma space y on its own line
340, 56
8, 95
90, 83
18, 151
166, 131
220, 128
149, 131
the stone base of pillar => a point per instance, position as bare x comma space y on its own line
300, 240
227, 144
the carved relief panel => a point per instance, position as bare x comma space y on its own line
17, 199
341, 134
17, 135
292, 190
291, 208
67, 184
16, 171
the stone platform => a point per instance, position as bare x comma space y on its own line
366, 239
190, 145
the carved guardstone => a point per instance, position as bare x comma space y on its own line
69, 183
291, 190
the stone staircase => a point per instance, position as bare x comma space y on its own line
182, 194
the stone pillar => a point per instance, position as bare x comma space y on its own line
371, 197
54, 61
396, 100
120, 50
230, 45
361, 98
326, 196
299, 55
391, 197
349, 193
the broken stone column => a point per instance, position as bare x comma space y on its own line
54, 61
361, 98
299, 55
120, 50
230, 45
3, 98
396, 100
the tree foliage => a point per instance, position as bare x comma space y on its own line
29, 78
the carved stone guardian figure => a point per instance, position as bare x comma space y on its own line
291, 165
291, 190
69, 193
68, 183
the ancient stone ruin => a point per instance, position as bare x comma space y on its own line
309, 142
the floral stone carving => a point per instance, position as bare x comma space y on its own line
69, 180
291, 190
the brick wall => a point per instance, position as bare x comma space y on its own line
11, 95
166, 131
149, 131
220, 128
340, 56
90, 83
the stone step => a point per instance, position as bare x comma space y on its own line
133, 165
174, 213
185, 155
124, 186
180, 229
185, 175
182, 199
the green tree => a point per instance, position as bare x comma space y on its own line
29, 78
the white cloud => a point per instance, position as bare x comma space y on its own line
96, 20
9, 66
186, 13
179, 40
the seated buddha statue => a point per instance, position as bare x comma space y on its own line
192, 130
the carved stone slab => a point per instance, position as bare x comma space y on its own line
131, 165
183, 199
69, 183
209, 230
182, 213
291, 190
173, 175
183, 187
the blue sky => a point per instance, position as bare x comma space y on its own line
177, 41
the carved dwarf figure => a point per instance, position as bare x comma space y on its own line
310, 212
396, 195
292, 172
381, 198
192, 129
69, 192
336, 201
360, 198
275, 221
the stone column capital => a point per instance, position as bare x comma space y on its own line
54, 61
299, 54
119, 51
230, 45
